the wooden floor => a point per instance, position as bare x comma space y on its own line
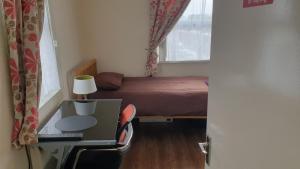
166, 146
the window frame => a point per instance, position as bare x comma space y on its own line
162, 53
54, 98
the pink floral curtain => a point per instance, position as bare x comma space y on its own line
23, 20
163, 16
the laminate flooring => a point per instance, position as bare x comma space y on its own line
166, 146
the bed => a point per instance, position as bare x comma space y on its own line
169, 97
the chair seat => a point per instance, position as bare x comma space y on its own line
99, 160
95, 160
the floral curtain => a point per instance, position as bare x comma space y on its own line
24, 19
163, 16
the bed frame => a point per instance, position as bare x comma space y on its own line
90, 68
87, 68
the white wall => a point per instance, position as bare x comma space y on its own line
116, 33
65, 26
254, 92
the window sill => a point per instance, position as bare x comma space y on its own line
49, 97
183, 62
47, 107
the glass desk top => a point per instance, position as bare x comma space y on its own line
91, 120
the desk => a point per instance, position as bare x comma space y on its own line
80, 123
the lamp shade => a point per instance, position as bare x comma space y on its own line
84, 84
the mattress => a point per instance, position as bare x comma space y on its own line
162, 96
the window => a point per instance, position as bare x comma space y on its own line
190, 38
50, 76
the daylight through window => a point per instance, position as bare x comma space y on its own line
50, 76
190, 39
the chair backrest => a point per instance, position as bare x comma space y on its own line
126, 117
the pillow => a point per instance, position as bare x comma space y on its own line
109, 80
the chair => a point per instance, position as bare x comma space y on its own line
125, 119
108, 158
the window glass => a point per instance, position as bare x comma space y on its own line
50, 76
190, 38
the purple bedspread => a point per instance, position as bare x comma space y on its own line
162, 96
